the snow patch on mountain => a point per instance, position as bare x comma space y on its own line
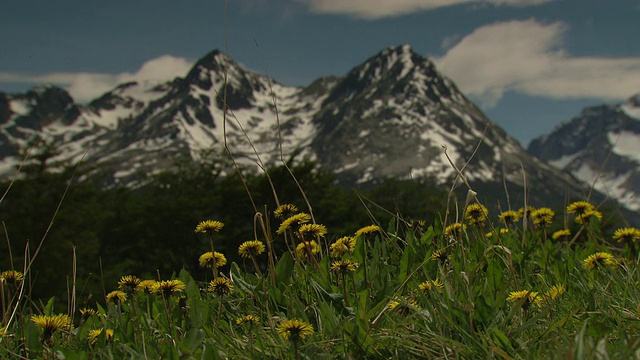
626, 143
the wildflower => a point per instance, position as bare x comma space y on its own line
552, 294
344, 266
87, 313
147, 286
209, 227
476, 214
580, 208
285, 210
542, 217
489, 234
93, 335
220, 286
206, 260
295, 329
509, 217
250, 249
555, 291
455, 229
11, 277
312, 229
116, 296
307, 248
403, 306
597, 260
51, 324
628, 234
565, 233
526, 213
300, 218
440, 256
431, 284
343, 245
368, 230
169, 287
528, 296
247, 319
584, 218
129, 284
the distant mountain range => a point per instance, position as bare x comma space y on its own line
393, 116
601, 146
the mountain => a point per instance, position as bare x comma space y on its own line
601, 146
391, 116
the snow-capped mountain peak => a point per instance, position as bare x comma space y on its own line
600, 146
389, 117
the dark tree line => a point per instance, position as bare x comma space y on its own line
149, 232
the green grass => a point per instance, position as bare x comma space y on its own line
376, 311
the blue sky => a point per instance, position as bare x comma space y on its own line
529, 64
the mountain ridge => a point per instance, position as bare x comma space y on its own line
600, 146
391, 116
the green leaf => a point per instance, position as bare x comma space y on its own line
284, 269
192, 341
48, 309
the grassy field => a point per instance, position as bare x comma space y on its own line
520, 284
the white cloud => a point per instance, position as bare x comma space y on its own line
375, 9
527, 57
85, 86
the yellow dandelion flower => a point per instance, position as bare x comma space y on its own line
528, 296
368, 230
147, 286
285, 210
403, 306
248, 319
206, 260
116, 296
220, 286
11, 277
251, 248
209, 227
301, 218
580, 207
51, 324
431, 284
440, 255
87, 313
344, 266
295, 329
522, 212
307, 249
129, 284
168, 288
476, 214
584, 218
628, 234
455, 229
93, 335
312, 229
598, 260
509, 217
555, 291
551, 295
564, 233
343, 245
542, 217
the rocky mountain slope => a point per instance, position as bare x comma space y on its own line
392, 116
601, 146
